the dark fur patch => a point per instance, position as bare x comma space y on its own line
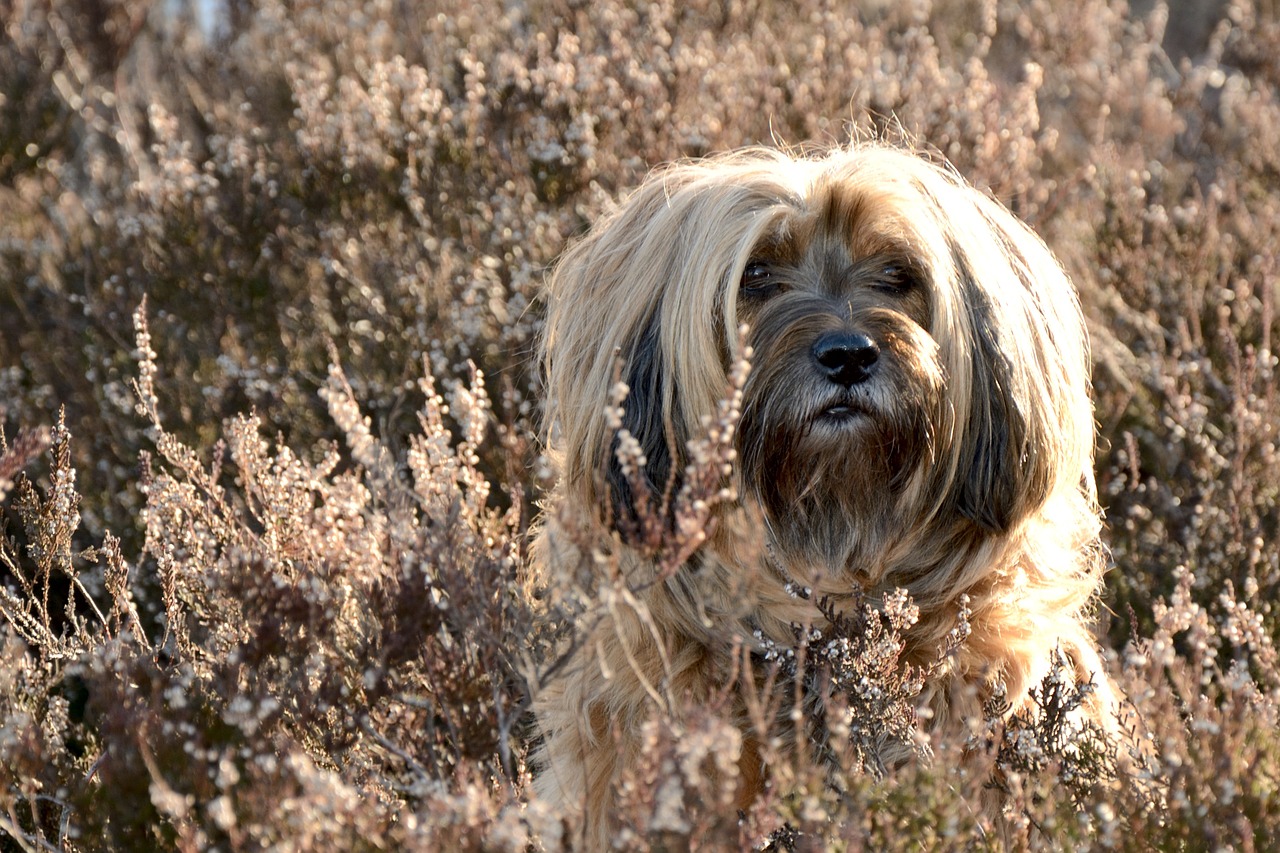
1002, 468
646, 375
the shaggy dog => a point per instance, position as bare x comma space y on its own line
917, 416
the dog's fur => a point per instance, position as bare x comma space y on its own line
918, 415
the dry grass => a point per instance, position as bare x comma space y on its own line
266, 587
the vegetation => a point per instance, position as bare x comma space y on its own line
268, 301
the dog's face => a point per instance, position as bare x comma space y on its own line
919, 362
848, 383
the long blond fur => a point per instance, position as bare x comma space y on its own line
998, 505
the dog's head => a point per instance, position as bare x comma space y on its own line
919, 356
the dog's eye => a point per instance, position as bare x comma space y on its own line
758, 279
895, 278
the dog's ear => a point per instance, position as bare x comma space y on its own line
644, 416
995, 455
1006, 467
651, 283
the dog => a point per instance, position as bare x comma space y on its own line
917, 416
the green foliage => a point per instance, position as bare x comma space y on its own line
272, 593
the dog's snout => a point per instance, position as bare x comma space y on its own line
846, 358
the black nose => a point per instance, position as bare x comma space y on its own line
847, 358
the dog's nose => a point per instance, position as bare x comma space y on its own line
847, 358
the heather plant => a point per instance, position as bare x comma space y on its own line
857, 695
336, 637
262, 572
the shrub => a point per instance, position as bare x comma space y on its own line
273, 593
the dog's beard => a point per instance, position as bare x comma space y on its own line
827, 463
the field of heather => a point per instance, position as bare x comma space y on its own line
270, 277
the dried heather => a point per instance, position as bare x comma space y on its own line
272, 593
